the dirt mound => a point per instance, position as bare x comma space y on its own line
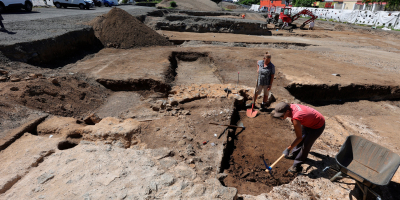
340, 27
119, 29
65, 96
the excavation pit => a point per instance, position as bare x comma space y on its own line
191, 67
64, 145
264, 137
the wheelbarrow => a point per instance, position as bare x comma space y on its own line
368, 163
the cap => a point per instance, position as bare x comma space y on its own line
280, 109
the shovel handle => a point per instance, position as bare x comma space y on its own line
273, 164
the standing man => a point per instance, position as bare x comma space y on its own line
311, 26
1, 24
308, 126
266, 73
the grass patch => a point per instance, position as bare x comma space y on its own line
226, 9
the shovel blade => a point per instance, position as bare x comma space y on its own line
251, 113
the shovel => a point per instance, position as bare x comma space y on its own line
251, 112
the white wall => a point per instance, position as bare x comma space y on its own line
367, 17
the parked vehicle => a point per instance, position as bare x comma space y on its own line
263, 9
16, 4
82, 4
97, 3
108, 3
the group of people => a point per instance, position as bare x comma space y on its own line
308, 123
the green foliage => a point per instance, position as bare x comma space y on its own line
249, 2
321, 5
173, 4
124, 1
227, 9
302, 3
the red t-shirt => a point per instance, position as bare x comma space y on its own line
307, 116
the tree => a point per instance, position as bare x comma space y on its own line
249, 2
302, 3
392, 4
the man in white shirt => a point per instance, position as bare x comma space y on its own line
311, 26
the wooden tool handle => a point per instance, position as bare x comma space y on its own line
273, 164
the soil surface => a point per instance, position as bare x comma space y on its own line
162, 140
264, 138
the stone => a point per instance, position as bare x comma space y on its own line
112, 130
14, 88
2, 78
219, 191
185, 112
184, 171
271, 98
155, 108
239, 100
54, 81
4, 72
168, 162
181, 142
207, 170
197, 190
166, 180
221, 176
45, 177
15, 79
162, 104
61, 126
92, 119
190, 150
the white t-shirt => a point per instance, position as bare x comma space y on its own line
312, 24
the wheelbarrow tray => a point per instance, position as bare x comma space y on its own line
367, 162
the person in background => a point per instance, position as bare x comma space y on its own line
266, 73
1, 24
311, 26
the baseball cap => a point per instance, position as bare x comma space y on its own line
280, 109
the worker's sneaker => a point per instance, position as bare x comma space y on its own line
295, 169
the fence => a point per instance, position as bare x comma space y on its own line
365, 17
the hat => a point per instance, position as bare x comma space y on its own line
280, 109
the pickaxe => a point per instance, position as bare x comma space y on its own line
273, 164
266, 166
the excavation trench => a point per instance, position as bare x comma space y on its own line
338, 94
56, 51
184, 68
276, 45
264, 137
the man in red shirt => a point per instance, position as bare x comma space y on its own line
308, 126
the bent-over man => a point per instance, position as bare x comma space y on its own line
308, 125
